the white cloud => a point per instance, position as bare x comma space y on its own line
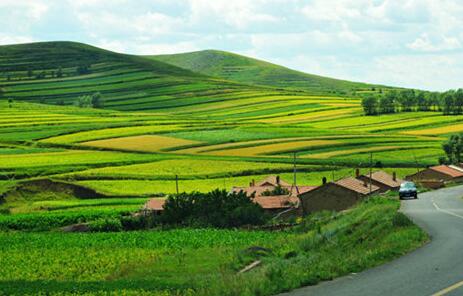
425, 44
7, 39
237, 13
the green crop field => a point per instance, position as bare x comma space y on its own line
210, 124
161, 118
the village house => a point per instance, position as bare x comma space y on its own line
272, 194
154, 206
381, 179
275, 195
437, 176
336, 196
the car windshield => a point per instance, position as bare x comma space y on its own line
407, 185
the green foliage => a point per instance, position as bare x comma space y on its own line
206, 261
453, 148
217, 208
48, 221
105, 225
370, 105
278, 190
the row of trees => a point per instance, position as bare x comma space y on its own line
58, 73
449, 102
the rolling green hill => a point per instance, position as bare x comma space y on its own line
248, 70
60, 72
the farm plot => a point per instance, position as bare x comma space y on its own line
272, 149
132, 263
146, 143
442, 130
184, 168
69, 158
109, 133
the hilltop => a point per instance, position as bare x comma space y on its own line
243, 69
60, 72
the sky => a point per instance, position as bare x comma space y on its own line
408, 43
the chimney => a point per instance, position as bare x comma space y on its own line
253, 183
357, 172
394, 176
324, 180
278, 180
365, 183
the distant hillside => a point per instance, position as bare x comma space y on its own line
248, 70
60, 72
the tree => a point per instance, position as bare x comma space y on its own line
458, 101
59, 72
97, 101
217, 208
407, 100
448, 103
386, 105
422, 102
370, 105
84, 101
453, 148
83, 69
10, 103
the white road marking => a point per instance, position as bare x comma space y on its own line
459, 284
445, 211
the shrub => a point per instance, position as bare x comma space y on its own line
105, 225
217, 208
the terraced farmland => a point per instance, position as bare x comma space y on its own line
160, 120
159, 128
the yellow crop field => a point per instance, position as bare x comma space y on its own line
325, 155
311, 116
273, 148
146, 143
437, 130
109, 133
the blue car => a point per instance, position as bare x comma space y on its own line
408, 190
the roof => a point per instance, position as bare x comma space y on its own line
448, 170
155, 204
272, 181
356, 185
276, 202
258, 190
384, 178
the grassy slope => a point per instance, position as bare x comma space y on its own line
248, 70
205, 262
126, 82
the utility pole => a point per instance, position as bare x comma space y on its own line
295, 173
371, 164
417, 167
176, 183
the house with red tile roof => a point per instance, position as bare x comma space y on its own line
336, 196
383, 180
154, 205
274, 203
441, 173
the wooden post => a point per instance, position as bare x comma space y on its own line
176, 183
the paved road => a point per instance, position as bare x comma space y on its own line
435, 269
